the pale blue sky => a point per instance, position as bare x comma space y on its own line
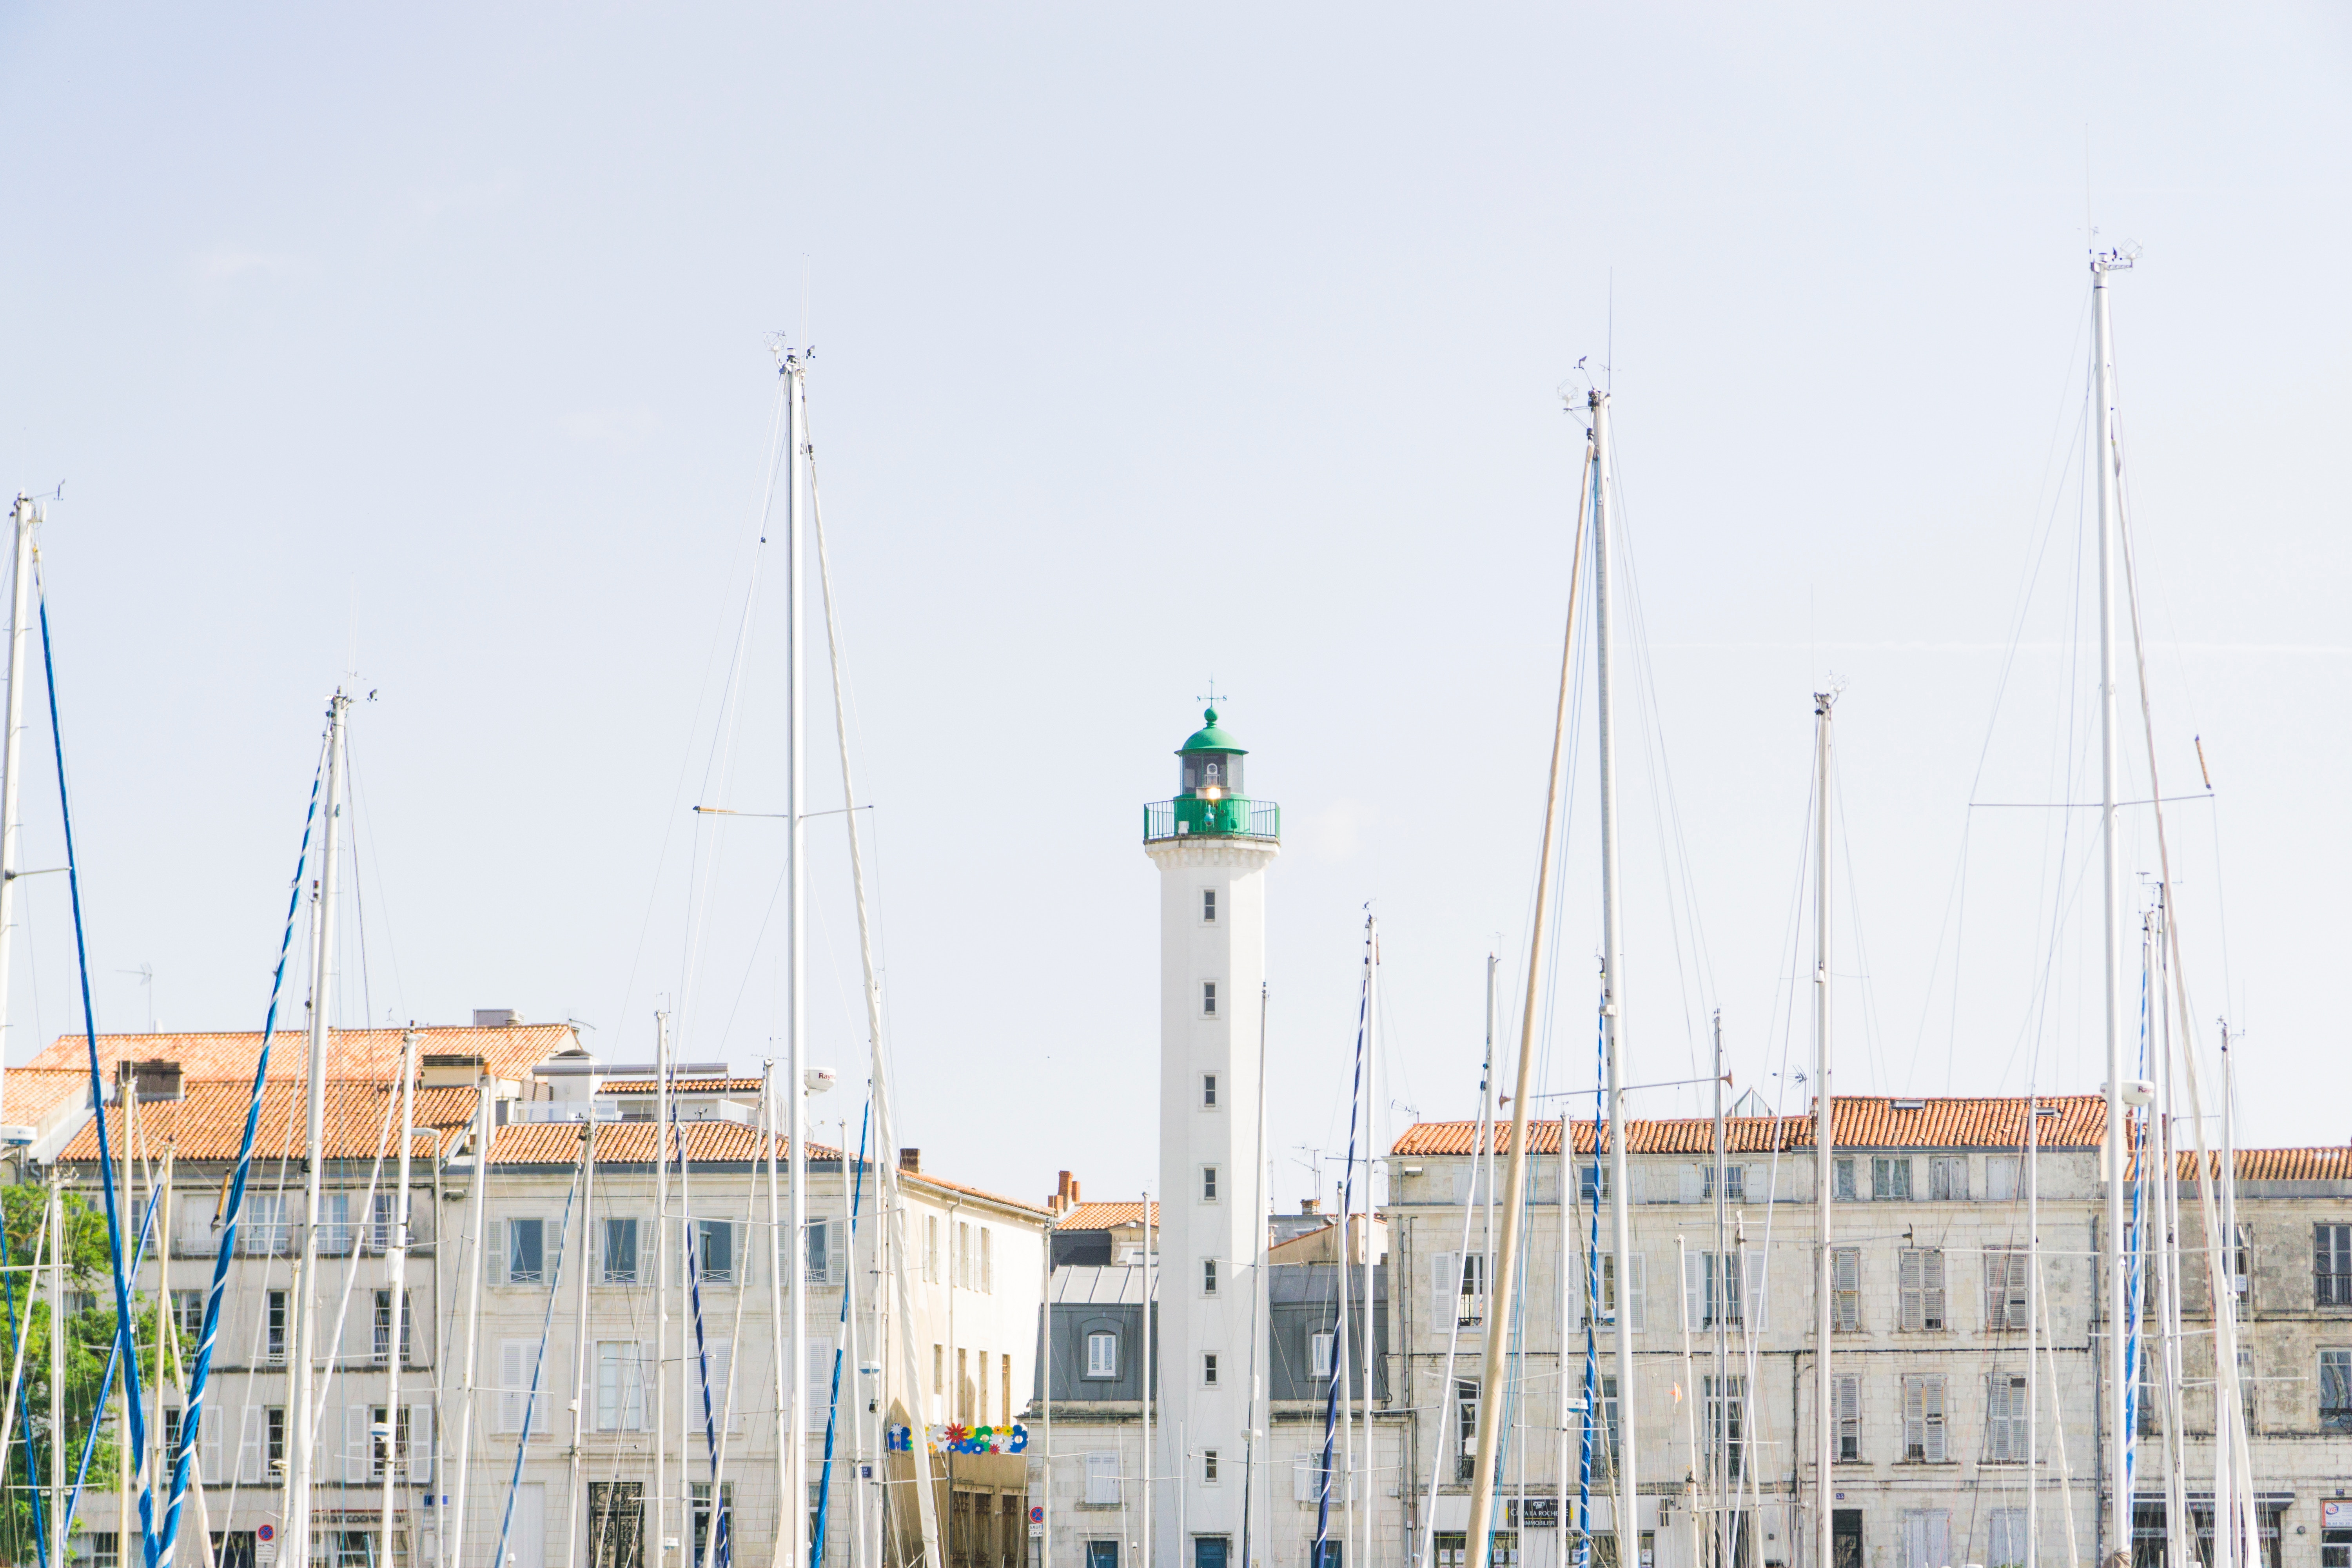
431, 343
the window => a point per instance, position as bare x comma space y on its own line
522, 1397
1609, 1290
1102, 1479
1609, 1414
1843, 1189
172, 1415
1208, 1369
619, 1263
1322, 1345
1208, 1277
700, 1493
1328, 1555
1208, 1184
1452, 1548
1923, 1422
274, 1427
388, 1445
2246, 1385
1845, 1287
1592, 1182
1208, 906
383, 1222
1735, 1183
620, 1387
384, 1330
1208, 1092
1208, 998
1470, 1298
2001, 1178
714, 1251
987, 1262
1947, 1179
263, 1233
2008, 1537
2145, 1402
1921, 1290
617, 1524
1208, 1467
2335, 1390
526, 1252
1890, 1176
2331, 1265
2007, 1306
277, 1324
1465, 1430
105, 1549
939, 1368
1102, 1554
1727, 1400
1102, 1354
188, 1313
959, 1259
1711, 1293
931, 1249
1849, 1419
335, 1222
2242, 1265
2005, 1427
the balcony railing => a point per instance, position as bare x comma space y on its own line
1196, 817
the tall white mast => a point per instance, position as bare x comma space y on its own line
453, 1527
796, 1053
2118, 1514
1824, 1148
1361, 1500
394, 1454
2032, 1310
302, 1447
12, 866
661, 1287
1612, 952
1143, 1403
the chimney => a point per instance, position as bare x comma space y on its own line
911, 1161
1310, 1205
496, 1017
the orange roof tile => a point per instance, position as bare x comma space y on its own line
1860, 1122
1105, 1216
33, 1092
633, 1143
511, 1052
209, 1124
2325, 1163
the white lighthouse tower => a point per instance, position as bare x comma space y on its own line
1212, 845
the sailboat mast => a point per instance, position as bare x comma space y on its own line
1360, 1491
453, 1517
1613, 951
796, 1053
302, 1446
2118, 1511
11, 750
396, 1452
2032, 1310
1824, 1149
661, 1281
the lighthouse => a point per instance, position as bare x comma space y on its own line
1213, 844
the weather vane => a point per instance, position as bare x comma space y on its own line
1212, 696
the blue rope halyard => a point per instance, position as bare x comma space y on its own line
122, 1338
1321, 1555
192, 1424
113, 1361
832, 1412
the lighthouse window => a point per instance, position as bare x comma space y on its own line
1208, 1369
1208, 998
1208, 1184
1208, 906
1208, 1092
1208, 1277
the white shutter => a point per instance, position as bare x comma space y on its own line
208, 1448
248, 1448
743, 1272
514, 1377
494, 1261
1693, 1289
1932, 1398
1693, 1183
1445, 1287
1634, 1305
1578, 1284
1754, 1300
1933, 1277
820, 1380
1302, 1479
191, 1223
356, 1443
1846, 1265
420, 1442
722, 1379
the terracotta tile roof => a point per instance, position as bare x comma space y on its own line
1105, 1216
1862, 1122
511, 1052
2327, 1164
924, 1178
210, 1122
633, 1143
33, 1093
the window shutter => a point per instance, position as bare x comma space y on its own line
1932, 1393
820, 1380
1694, 1185
1302, 1479
208, 1450
1933, 1278
193, 1222
1633, 1303
248, 1448
1754, 1303
514, 1377
1849, 1398
1694, 1290
1846, 1282
356, 1442
1909, 1286
1445, 1286
420, 1442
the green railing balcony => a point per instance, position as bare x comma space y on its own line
1198, 816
